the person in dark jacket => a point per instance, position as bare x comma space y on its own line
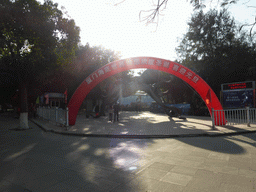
110, 112
116, 112
97, 110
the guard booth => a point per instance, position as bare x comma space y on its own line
53, 100
52, 107
238, 95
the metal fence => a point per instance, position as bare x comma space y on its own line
235, 116
57, 115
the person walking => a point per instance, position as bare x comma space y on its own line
116, 112
110, 113
97, 110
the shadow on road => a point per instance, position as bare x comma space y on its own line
217, 144
36, 160
148, 124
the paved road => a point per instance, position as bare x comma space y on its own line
37, 161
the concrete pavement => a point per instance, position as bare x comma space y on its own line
144, 125
40, 161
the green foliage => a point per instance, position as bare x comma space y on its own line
87, 60
151, 76
172, 89
214, 48
35, 38
206, 33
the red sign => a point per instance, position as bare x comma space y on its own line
237, 86
232, 86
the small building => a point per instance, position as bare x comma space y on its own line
53, 100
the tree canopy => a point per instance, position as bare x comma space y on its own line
215, 49
88, 59
36, 39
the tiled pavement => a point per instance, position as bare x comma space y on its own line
144, 125
35, 160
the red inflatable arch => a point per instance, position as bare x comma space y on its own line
200, 86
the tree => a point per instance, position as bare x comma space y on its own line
36, 40
214, 48
169, 88
88, 59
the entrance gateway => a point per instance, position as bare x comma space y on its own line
180, 71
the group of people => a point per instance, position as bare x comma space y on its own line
113, 111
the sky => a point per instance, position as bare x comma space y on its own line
118, 27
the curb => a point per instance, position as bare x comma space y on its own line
140, 136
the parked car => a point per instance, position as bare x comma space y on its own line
6, 107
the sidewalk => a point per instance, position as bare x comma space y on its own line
144, 125
38, 161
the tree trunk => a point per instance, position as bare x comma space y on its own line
23, 105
